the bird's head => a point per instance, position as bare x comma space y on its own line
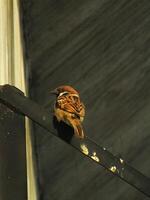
64, 89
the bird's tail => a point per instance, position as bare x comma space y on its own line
78, 130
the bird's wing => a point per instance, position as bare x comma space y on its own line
72, 104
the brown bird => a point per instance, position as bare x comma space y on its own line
69, 108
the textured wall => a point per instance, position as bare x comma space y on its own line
102, 49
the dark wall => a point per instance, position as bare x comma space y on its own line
13, 177
102, 49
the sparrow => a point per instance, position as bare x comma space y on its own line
69, 108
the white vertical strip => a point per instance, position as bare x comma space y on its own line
3, 43
12, 69
19, 78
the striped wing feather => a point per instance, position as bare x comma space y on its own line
71, 104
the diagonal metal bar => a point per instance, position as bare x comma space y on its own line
14, 98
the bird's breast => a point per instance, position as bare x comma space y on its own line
62, 115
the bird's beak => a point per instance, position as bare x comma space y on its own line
55, 92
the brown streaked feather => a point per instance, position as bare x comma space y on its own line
78, 130
71, 104
69, 119
70, 109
